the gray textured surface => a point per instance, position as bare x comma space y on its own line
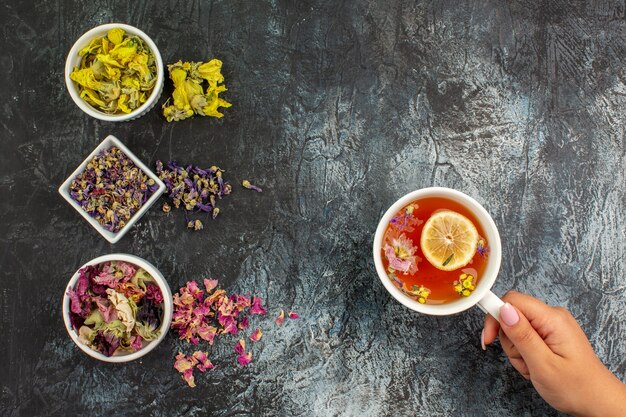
339, 109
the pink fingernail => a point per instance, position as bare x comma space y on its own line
509, 315
482, 340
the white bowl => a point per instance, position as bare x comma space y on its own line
167, 307
73, 60
482, 295
108, 142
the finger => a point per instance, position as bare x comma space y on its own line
521, 367
535, 311
514, 356
490, 330
528, 342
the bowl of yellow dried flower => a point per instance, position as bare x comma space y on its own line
114, 72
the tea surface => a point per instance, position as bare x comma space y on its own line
409, 269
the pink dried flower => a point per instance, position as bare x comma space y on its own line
293, 315
210, 285
184, 365
153, 292
281, 317
203, 360
257, 306
196, 292
244, 359
106, 309
242, 302
256, 335
136, 342
207, 332
244, 323
240, 346
400, 254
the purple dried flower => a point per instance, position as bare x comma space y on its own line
106, 342
193, 188
112, 189
249, 186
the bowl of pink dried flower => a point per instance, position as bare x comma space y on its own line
117, 307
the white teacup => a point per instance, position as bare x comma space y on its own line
482, 295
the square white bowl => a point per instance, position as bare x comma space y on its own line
107, 143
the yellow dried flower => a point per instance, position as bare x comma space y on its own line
465, 285
189, 96
116, 36
109, 59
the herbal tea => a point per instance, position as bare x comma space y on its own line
434, 250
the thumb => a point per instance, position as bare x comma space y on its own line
524, 337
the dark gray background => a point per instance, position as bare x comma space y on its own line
339, 108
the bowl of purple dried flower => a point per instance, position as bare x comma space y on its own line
112, 189
117, 307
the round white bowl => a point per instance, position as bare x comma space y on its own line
167, 307
73, 60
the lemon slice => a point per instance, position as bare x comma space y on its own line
449, 240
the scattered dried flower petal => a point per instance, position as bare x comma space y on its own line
184, 365
257, 306
240, 346
244, 323
293, 315
210, 284
203, 360
194, 189
281, 317
244, 359
256, 335
249, 186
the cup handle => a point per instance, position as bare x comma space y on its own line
490, 304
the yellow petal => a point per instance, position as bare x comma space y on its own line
121, 104
210, 71
124, 52
106, 46
93, 46
130, 82
109, 60
112, 73
85, 78
91, 97
116, 36
178, 76
180, 97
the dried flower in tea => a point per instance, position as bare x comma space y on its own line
482, 248
117, 72
196, 90
112, 188
465, 285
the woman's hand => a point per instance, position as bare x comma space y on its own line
547, 346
